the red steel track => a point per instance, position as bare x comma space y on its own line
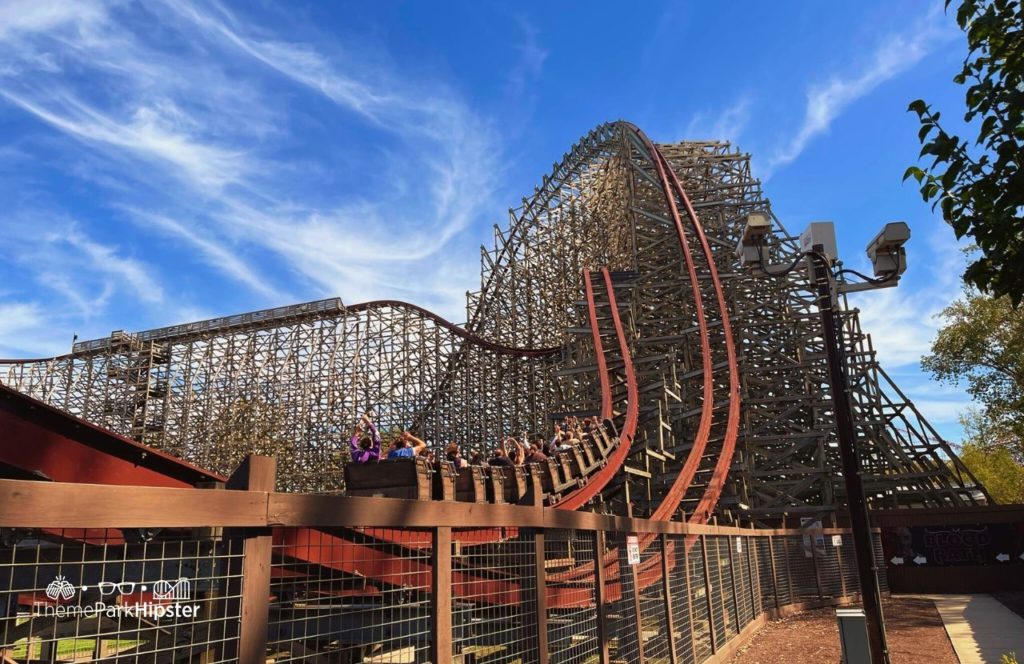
627, 431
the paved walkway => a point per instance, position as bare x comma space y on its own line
980, 627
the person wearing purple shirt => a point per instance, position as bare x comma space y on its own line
365, 446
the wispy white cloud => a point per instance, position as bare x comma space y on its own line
20, 16
895, 54
191, 135
727, 125
18, 317
153, 132
530, 62
216, 253
133, 274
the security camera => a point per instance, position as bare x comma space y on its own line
747, 249
888, 257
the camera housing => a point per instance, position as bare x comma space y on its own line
759, 225
886, 251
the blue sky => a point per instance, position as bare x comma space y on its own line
176, 160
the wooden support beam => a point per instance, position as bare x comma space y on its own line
670, 623
599, 598
441, 592
249, 581
542, 598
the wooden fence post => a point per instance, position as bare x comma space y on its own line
542, 597
639, 614
775, 572
603, 654
441, 595
670, 623
839, 566
710, 593
249, 582
735, 595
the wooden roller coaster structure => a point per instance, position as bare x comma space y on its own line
613, 292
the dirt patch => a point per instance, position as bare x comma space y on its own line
913, 628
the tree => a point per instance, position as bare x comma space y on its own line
980, 187
997, 471
982, 343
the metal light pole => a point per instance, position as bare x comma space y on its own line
859, 523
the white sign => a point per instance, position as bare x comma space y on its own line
1002, 557
837, 540
739, 545
920, 560
633, 549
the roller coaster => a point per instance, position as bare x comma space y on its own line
614, 292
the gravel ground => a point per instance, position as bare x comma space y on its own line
913, 628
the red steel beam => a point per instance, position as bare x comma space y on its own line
37, 437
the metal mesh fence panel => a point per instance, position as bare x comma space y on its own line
679, 582
716, 599
849, 565
572, 609
801, 567
783, 577
622, 618
767, 572
754, 574
699, 599
653, 619
139, 594
350, 595
883, 579
739, 548
826, 558
730, 608
494, 600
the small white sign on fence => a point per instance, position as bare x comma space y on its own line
633, 549
739, 545
837, 540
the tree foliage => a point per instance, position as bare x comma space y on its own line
997, 470
979, 186
982, 343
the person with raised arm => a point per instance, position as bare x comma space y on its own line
514, 451
406, 446
365, 443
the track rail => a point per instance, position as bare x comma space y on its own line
627, 431
713, 490
172, 335
674, 496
